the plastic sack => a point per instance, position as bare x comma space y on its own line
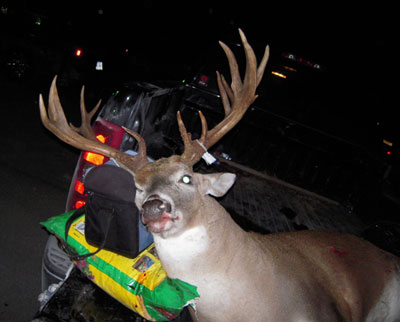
140, 284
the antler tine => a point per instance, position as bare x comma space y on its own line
55, 109
85, 129
192, 150
141, 157
236, 99
250, 78
225, 92
263, 64
55, 121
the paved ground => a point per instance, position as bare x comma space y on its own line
35, 173
24, 202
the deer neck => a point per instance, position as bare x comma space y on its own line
210, 237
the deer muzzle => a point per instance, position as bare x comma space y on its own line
154, 209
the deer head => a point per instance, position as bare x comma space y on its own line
168, 191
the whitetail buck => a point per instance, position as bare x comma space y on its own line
241, 276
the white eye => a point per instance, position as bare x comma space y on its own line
186, 179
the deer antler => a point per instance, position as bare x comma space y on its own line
83, 138
236, 99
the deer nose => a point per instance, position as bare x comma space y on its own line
154, 208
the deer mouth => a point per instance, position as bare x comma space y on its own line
158, 225
156, 215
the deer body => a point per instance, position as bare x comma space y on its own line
241, 276
303, 276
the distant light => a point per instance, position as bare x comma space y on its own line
78, 52
387, 142
302, 61
203, 80
99, 65
291, 69
388, 152
38, 21
278, 74
126, 50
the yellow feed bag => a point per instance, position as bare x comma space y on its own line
140, 284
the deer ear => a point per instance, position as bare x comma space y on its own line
216, 184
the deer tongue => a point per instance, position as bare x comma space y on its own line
157, 224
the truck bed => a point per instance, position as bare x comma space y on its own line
258, 200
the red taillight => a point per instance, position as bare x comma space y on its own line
79, 187
94, 158
107, 133
79, 203
101, 138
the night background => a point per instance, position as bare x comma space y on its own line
343, 86
171, 40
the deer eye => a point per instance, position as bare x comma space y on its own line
186, 179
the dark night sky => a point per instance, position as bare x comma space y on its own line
354, 40
349, 38
332, 30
